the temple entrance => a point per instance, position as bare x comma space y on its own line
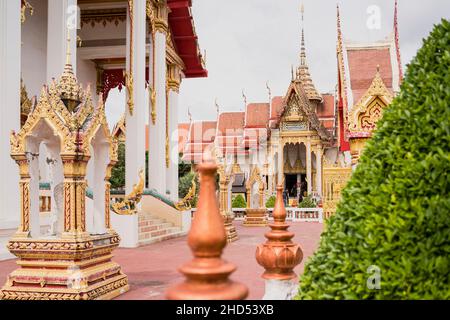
296, 186
291, 185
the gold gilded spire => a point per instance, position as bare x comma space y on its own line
302, 46
69, 89
303, 76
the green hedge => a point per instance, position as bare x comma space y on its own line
395, 211
239, 202
308, 202
270, 203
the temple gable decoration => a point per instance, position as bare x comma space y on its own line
366, 113
299, 113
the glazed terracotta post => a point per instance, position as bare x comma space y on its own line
207, 274
279, 255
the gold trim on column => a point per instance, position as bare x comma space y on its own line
25, 6
129, 78
167, 127
150, 11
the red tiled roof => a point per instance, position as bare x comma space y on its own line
363, 67
327, 108
277, 105
257, 115
230, 122
204, 131
183, 132
201, 137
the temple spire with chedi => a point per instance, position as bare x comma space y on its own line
303, 76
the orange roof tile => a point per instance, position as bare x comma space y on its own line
363, 64
257, 115
277, 105
327, 108
183, 132
230, 122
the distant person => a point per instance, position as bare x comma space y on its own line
285, 197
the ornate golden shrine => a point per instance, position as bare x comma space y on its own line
225, 178
73, 264
255, 177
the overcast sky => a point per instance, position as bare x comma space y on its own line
251, 42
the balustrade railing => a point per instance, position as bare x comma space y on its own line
293, 214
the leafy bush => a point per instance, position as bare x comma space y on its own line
307, 202
118, 171
239, 202
394, 212
270, 203
185, 184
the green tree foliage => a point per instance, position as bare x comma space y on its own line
183, 167
239, 202
185, 184
270, 203
394, 212
118, 172
308, 202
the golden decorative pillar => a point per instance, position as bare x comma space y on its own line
356, 148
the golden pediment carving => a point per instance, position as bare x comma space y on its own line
366, 113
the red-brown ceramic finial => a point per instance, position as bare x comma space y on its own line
279, 255
207, 274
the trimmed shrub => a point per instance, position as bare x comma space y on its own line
393, 219
239, 202
118, 171
270, 203
308, 202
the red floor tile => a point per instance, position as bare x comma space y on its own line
151, 269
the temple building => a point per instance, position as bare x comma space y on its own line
146, 48
308, 139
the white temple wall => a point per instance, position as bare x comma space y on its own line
100, 32
172, 171
87, 74
331, 155
34, 48
10, 49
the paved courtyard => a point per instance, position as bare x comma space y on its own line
151, 269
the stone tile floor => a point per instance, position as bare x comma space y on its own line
151, 269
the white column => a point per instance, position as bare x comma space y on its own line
319, 170
62, 17
127, 226
157, 134
280, 161
10, 50
308, 166
172, 171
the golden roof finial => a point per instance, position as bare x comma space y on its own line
217, 107
68, 54
69, 89
303, 50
